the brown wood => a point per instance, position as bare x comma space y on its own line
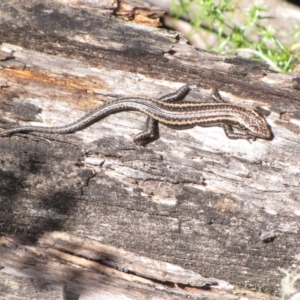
225, 209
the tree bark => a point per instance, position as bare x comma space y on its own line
226, 209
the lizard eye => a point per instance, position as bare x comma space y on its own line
261, 128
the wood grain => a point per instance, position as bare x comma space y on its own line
222, 208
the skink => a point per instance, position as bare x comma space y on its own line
170, 111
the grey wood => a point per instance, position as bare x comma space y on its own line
223, 208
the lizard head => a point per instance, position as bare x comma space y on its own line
258, 126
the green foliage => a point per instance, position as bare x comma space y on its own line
217, 18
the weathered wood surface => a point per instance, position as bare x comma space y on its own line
223, 208
92, 270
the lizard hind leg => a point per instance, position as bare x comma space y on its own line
152, 133
216, 96
176, 96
